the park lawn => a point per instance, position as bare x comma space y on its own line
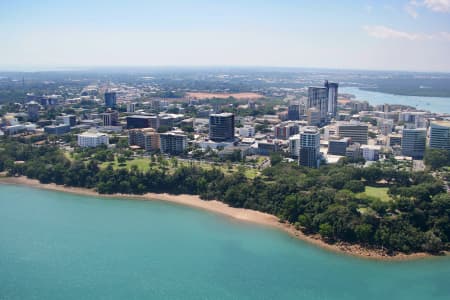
68, 156
377, 192
143, 164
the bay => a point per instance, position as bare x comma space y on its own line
56, 245
432, 104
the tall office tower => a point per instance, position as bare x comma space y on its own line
131, 107
172, 142
413, 142
110, 118
294, 146
440, 135
356, 131
309, 147
294, 112
318, 98
221, 127
33, 111
332, 88
110, 99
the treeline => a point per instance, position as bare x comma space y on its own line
437, 158
328, 201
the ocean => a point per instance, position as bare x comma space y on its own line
56, 245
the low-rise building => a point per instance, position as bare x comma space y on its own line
57, 129
92, 139
247, 131
370, 152
338, 147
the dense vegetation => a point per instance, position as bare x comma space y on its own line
329, 201
410, 85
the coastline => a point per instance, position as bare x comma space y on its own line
240, 214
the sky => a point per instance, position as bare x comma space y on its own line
412, 35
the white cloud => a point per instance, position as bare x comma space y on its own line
383, 32
438, 5
411, 10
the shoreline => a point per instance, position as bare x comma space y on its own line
239, 214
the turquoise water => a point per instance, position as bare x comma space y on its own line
62, 246
433, 104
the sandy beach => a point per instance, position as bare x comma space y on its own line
240, 214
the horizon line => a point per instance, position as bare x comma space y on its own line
65, 68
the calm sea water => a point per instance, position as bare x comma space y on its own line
433, 104
61, 246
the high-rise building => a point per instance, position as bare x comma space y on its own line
318, 98
110, 99
172, 142
440, 135
294, 112
356, 131
332, 88
309, 147
131, 107
221, 127
294, 146
110, 118
413, 142
33, 111
147, 139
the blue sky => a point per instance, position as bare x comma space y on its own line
388, 35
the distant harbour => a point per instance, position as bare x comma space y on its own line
432, 104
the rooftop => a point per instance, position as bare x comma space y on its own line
444, 123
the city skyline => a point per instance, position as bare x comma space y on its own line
405, 35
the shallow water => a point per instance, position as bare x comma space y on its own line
433, 104
55, 245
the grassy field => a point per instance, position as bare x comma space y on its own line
143, 164
377, 192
